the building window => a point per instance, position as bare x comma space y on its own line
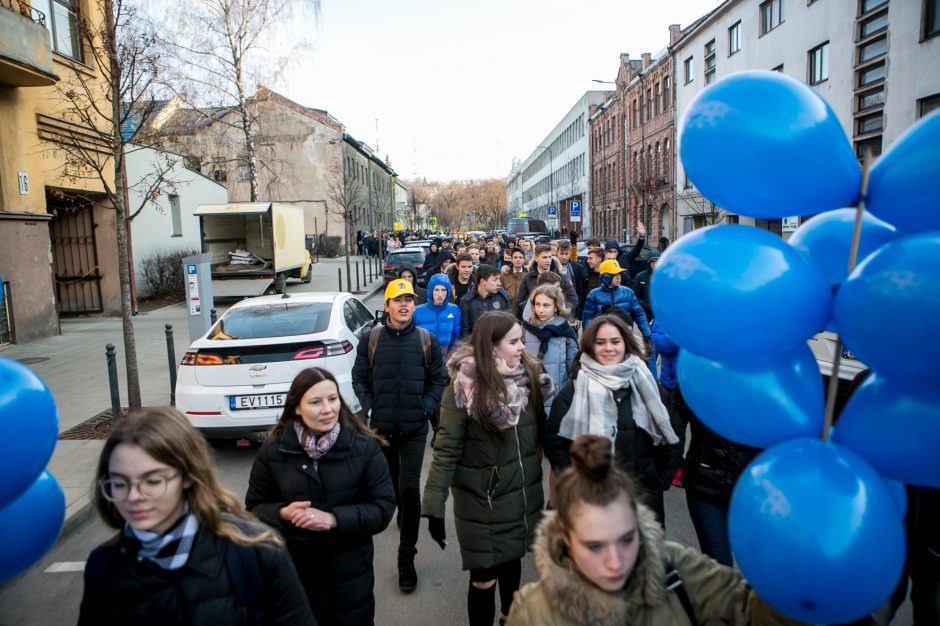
176, 217
869, 124
659, 158
819, 64
872, 145
931, 18
641, 110
771, 15
871, 74
244, 173
928, 104
636, 113
666, 159
873, 24
689, 71
62, 20
868, 5
872, 49
659, 98
667, 83
734, 38
710, 62
649, 104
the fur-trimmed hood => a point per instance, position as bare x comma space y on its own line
579, 600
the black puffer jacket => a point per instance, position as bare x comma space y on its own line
654, 466
713, 464
472, 306
121, 590
403, 387
352, 482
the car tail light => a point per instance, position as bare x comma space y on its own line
325, 349
419, 265
389, 267
200, 358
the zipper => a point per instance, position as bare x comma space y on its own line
525, 500
490, 488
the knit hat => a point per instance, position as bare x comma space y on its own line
612, 245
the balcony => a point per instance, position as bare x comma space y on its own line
25, 52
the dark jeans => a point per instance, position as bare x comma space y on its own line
480, 602
711, 526
405, 454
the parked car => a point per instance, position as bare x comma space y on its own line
233, 380
397, 258
823, 346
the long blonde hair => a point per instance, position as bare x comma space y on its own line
553, 292
168, 437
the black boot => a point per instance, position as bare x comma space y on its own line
407, 576
481, 605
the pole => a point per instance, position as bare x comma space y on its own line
357, 277
339, 274
113, 382
213, 316
171, 357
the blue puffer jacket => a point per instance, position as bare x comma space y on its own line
559, 355
442, 321
669, 352
618, 296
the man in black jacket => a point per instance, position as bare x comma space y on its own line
573, 272
399, 379
488, 295
543, 262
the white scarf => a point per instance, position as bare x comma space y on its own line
593, 409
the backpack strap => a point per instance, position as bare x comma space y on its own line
425, 344
373, 342
242, 565
674, 583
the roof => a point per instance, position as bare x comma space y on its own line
295, 298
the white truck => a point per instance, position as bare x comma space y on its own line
253, 245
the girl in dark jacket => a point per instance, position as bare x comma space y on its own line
322, 480
186, 553
615, 395
486, 454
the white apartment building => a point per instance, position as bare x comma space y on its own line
557, 173
876, 62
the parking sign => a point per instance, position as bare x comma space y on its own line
575, 210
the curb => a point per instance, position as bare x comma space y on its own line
76, 514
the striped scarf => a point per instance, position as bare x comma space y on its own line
169, 550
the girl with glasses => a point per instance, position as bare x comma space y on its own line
186, 551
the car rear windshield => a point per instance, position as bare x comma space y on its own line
406, 257
273, 320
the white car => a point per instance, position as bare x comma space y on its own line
233, 381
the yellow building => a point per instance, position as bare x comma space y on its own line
58, 253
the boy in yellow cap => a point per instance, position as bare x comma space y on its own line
612, 294
399, 378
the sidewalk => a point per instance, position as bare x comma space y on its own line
74, 367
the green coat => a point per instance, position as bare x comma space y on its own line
496, 479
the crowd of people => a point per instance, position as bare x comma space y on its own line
520, 352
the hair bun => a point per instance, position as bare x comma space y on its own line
592, 456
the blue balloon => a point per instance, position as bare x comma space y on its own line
29, 427
757, 403
826, 240
888, 310
30, 524
898, 493
738, 293
815, 532
895, 429
764, 144
901, 181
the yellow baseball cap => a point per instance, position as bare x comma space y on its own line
610, 266
399, 288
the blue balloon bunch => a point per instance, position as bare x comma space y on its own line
816, 521
32, 505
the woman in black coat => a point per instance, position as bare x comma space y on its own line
321, 479
186, 552
614, 394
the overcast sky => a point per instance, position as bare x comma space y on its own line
460, 87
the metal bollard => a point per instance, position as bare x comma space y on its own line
339, 274
366, 272
357, 277
171, 357
213, 316
113, 382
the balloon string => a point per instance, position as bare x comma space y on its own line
853, 257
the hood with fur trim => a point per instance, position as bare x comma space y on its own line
579, 600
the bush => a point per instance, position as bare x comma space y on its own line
163, 274
328, 245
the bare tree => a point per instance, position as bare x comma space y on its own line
704, 211
346, 193
106, 110
218, 50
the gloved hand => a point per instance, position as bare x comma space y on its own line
436, 528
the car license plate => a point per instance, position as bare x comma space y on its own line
263, 401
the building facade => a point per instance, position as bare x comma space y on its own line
59, 252
556, 174
873, 61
